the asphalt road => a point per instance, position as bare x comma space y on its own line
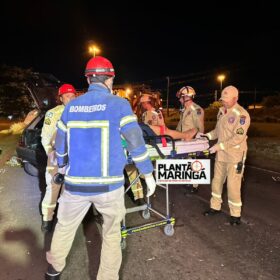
201, 248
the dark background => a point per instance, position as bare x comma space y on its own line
191, 42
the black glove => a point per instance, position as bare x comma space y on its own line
58, 178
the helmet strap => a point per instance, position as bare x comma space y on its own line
188, 102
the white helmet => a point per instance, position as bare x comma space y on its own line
186, 91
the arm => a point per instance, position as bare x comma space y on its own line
61, 141
132, 133
179, 125
199, 120
239, 133
213, 134
160, 118
48, 131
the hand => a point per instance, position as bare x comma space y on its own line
151, 184
61, 170
213, 149
199, 135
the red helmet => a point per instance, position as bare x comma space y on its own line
66, 88
99, 66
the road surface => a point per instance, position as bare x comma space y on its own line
205, 248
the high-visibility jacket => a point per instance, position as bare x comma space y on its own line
89, 142
191, 117
49, 128
231, 132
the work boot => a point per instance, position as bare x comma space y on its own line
46, 226
211, 212
52, 274
235, 221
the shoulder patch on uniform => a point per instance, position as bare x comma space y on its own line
240, 131
198, 111
242, 119
47, 121
49, 114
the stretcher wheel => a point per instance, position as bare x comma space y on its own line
168, 230
123, 244
146, 214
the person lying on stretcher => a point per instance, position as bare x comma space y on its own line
154, 119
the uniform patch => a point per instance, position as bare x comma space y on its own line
47, 121
49, 114
198, 111
240, 131
231, 119
154, 117
188, 113
242, 119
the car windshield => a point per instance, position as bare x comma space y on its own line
45, 80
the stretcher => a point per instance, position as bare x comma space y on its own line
196, 148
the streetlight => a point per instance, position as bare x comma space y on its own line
221, 78
127, 92
93, 50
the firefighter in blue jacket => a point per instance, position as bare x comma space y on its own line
89, 150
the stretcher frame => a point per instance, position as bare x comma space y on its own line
166, 219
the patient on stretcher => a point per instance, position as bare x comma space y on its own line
154, 119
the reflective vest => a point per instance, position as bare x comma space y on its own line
89, 142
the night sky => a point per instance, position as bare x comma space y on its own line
145, 44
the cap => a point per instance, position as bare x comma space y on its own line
229, 93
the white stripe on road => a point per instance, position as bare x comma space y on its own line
262, 169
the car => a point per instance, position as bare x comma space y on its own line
43, 89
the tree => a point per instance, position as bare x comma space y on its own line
14, 97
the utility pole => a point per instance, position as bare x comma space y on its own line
216, 95
167, 95
255, 100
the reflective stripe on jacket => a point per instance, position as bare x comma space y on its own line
89, 142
